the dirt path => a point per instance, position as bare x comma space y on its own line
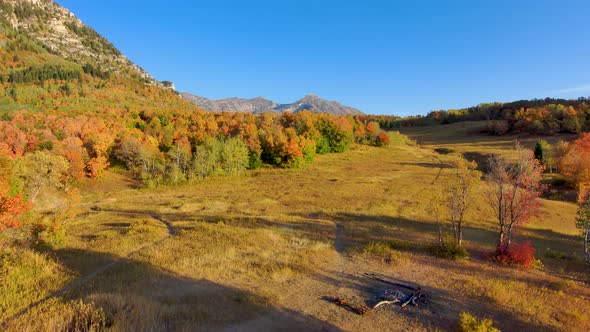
306, 294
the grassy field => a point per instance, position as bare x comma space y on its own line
267, 251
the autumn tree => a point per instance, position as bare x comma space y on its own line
575, 163
44, 171
217, 157
544, 153
460, 189
513, 192
435, 206
12, 202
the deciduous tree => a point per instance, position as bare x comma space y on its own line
583, 219
513, 192
460, 189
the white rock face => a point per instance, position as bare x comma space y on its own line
53, 32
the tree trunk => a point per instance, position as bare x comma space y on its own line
501, 237
586, 240
459, 234
440, 233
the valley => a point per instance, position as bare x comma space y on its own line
268, 249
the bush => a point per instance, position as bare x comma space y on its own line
396, 138
449, 252
555, 254
469, 323
444, 150
383, 250
498, 127
517, 254
254, 160
86, 317
382, 139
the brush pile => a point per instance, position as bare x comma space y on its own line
400, 293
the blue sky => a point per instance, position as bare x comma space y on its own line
384, 57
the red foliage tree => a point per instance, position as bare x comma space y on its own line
513, 192
382, 139
575, 163
11, 205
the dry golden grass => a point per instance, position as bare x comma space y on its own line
260, 252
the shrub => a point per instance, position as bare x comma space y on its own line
254, 161
86, 317
444, 150
322, 145
449, 251
556, 254
382, 139
498, 127
469, 323
383, 250
517, 254
396, 138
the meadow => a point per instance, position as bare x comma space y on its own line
267, 250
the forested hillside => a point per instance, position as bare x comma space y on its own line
538, 117
74, 112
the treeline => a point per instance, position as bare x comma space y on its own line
41, 74
164, 148
570, 159
96, 71
46, 72
52, 151
539, 116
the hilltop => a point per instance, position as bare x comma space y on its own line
52, 61
260, 105
60, 32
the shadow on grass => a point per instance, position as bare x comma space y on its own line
437, 309
350, 230
428, 165
357, 230
137, 296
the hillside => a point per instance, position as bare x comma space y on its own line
60, 32
547, 116
126, 206
260, 105
51, 61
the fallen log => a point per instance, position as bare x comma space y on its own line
412, 300
358, 309
384, 302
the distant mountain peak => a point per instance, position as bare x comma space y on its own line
257, 105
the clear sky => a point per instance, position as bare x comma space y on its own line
383, 57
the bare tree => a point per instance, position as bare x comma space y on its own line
459, 192
583, 220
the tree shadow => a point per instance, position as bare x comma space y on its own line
428, 165
137, 296
438, 308
481, 159
354, 231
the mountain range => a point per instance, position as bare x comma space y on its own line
259, 105
39, 39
